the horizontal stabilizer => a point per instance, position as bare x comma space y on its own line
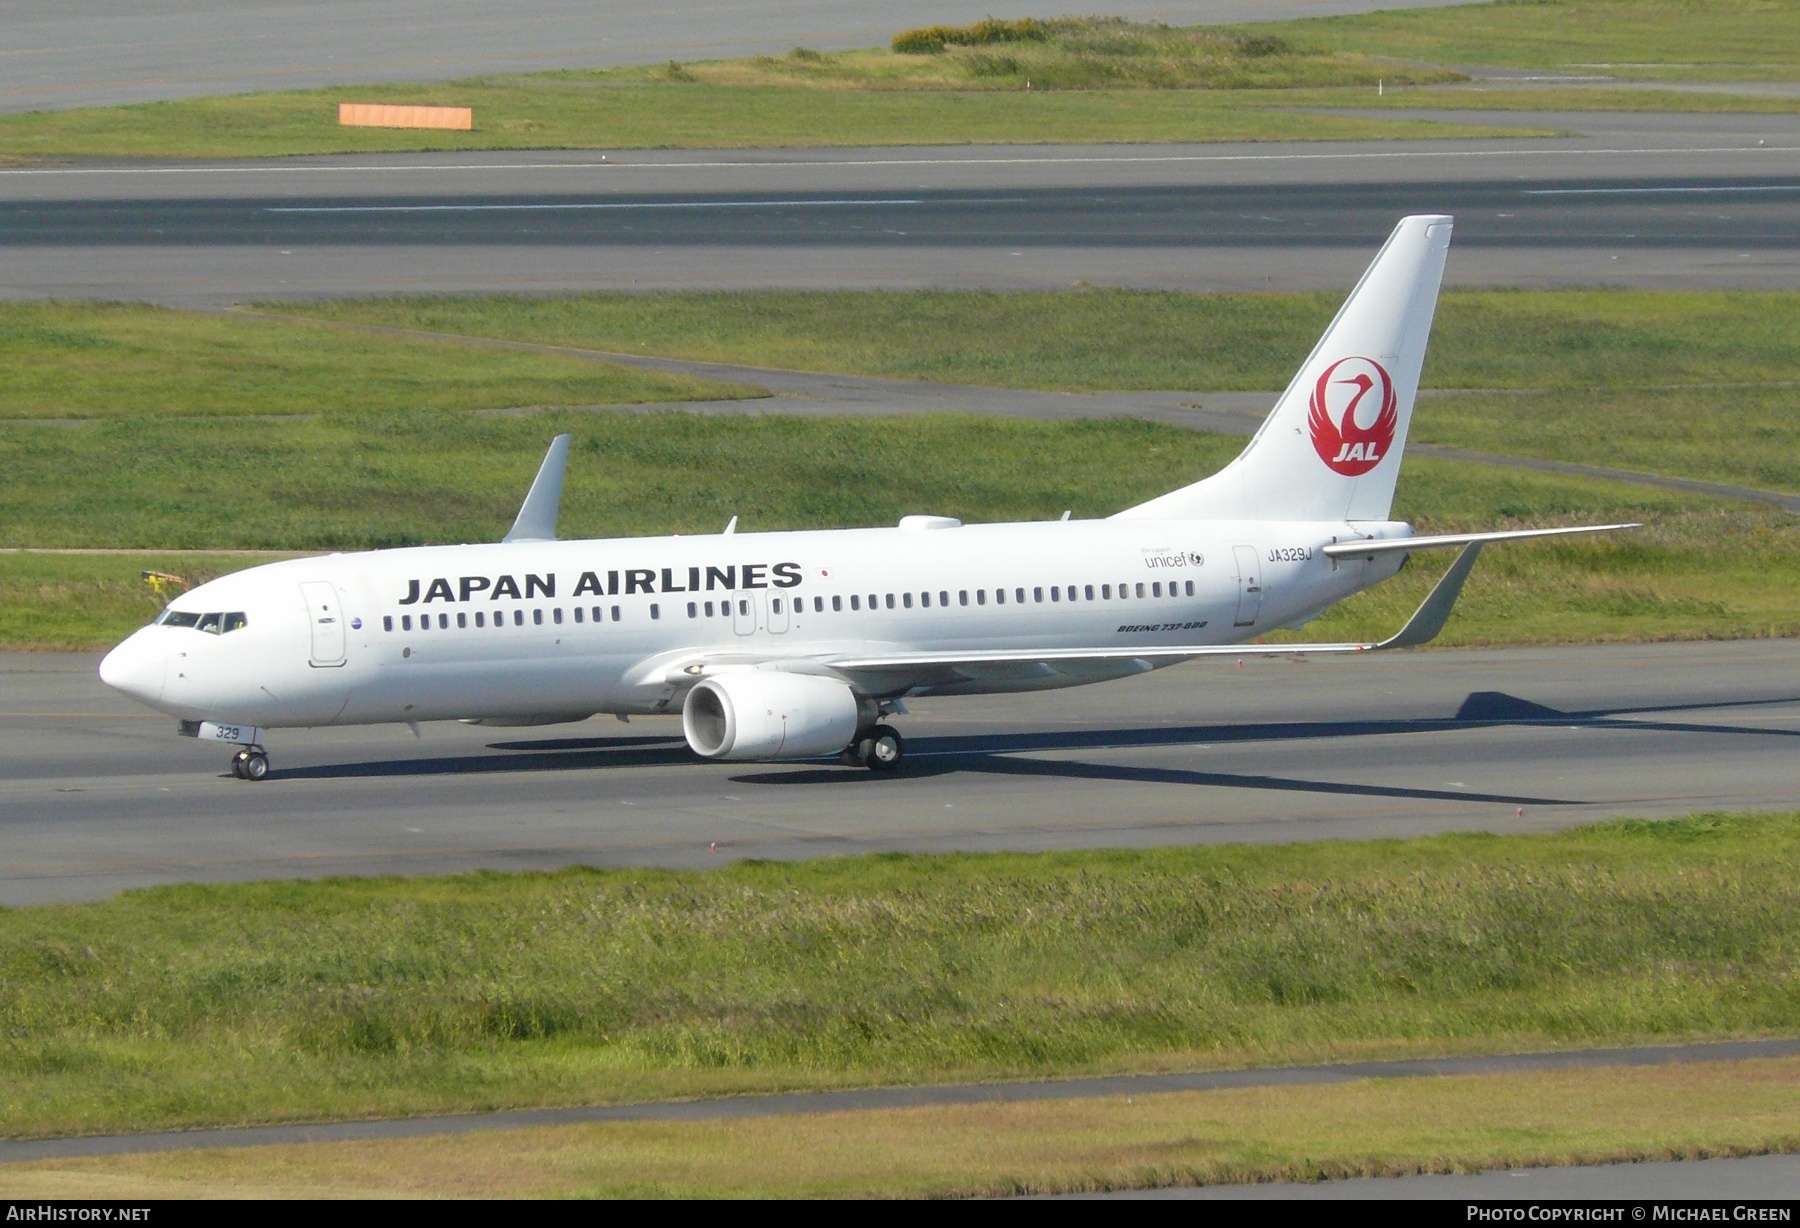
1388, 545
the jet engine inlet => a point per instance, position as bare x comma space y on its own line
760, 714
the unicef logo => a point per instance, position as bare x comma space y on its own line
1196, 558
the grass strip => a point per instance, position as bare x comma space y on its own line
1089, 339
618, 109
347, 998
1377, 1128
1666, 40
115, 360
1688, 384
1706, 568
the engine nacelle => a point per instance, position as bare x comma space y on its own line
764, 714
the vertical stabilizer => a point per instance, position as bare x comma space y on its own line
1330, 449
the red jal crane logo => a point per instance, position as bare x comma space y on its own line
1347, 388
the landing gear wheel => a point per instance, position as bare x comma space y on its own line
237, 763
886, 748
252, 764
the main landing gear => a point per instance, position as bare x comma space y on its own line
251, 763
880, 750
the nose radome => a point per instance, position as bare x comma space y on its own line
136, 669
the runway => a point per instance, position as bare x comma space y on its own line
1645, 200
98, 796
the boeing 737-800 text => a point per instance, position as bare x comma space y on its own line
794, 645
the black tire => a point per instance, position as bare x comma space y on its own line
886, 749
256, 765
237, 764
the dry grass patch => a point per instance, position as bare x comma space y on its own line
1373, 1128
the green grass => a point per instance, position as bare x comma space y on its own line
1097, 339
1678, 40
201, 1004
605, 111
110, 360
68, 602
1691, 384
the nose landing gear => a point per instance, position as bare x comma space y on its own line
251, 763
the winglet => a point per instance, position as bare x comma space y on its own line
1434, 611
537, 515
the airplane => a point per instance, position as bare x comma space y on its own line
795, 645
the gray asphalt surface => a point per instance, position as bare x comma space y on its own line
69, 53
739, 1107
96, 795
1651, 200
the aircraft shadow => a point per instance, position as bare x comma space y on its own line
993, 753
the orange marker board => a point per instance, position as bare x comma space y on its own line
378, 115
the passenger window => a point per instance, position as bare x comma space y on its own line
556, 616
775, 605
709, 609
1055, 593
1037, 594
233, 622
1089, 592
443, 622
1140, 590
480, 619
999, 596
1190, 588
518, 618
406, 622
1156, 589
962, 597
655, 610
837, 604
577, 614
209, 623
462, 620
693, 610
1019, 595
387, 622
615, 612
537, 618
981, 596
890, 601
944, 598
905, 598
855, 602
819, 604
1106, 592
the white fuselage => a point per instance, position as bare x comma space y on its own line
559, 630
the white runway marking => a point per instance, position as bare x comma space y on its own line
585, 204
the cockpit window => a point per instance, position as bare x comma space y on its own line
213, 624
